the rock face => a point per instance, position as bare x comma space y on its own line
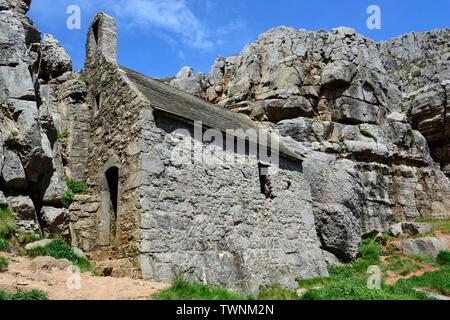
54, 59
31, 155
425, 247
382, 106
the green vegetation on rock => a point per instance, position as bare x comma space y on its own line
365, 132
183, 290
74, 187
58, 249
3, 263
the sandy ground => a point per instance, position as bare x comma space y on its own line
60, 284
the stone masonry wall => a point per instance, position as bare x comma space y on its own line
115, 142
211, 222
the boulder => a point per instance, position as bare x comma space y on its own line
54, 59
398, 117
12, 172
24, 212
189, 82
12, 39
338, 204
16, 83
427, 247
338, 74
414, 229
54, 221
396, 229
38, 244
79, 253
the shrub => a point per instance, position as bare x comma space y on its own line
368, 134
3, 264
58, 249
85, 79
24, 295
4, 245
76, 186
62, 135
443, 258
67, 199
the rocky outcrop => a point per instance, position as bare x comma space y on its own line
31, 155
375, 116
54, 59
424, 247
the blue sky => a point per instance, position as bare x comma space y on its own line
158, 37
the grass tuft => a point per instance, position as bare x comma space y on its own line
183, 290
62, 135
58, 249
3, 264
85, 79
7, 224
24, 295
75, 187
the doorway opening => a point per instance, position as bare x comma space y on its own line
95, 28
112, 177
264, 180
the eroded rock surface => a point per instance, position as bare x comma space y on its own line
382, 106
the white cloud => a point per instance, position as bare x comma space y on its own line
171, 15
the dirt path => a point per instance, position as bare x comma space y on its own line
393, 278
52, 276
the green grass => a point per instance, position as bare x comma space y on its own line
7, 224
60, 250
67, 198
183, 290
4, 245
85, 79
438, 281
277, 293
350, 282
401, 266
62, 135
74, 187
344, 283
442, 225
443, 258
3, 264
24, 295
25, 238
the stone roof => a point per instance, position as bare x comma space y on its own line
168, 99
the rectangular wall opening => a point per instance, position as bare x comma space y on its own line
95, 29
264, 181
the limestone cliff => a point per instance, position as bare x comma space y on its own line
372, 117
39, 98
